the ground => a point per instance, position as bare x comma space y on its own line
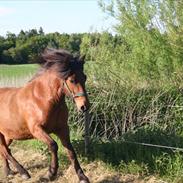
37, 165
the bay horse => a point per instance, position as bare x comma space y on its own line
39, 109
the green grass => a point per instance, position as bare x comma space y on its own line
12, 71
16, 75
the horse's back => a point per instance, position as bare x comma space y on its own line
6, 90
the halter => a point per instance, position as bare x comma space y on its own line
73, 95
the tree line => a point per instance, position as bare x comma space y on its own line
26, 46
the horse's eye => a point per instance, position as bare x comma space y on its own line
72, 81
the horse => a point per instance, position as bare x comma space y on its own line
38, 108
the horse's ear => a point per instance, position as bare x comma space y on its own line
82, 58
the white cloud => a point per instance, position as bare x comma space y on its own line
6, 11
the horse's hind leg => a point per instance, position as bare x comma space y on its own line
63, 135
6, 167
6, 154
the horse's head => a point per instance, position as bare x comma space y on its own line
70, 70
74, 84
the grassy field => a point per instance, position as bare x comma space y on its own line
12, 71
148, 115
16, 75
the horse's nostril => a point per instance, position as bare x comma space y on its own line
83, 108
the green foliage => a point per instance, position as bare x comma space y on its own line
147, 44
27, 45
133, 158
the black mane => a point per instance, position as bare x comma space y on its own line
59, 60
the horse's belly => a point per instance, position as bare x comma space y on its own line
16, 132
22, 136
17, 136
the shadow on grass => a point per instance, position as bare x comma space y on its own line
142, 159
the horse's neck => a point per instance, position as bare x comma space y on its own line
48, 87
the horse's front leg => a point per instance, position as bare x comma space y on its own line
38, 132
63, 135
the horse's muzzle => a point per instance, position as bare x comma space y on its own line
83, 109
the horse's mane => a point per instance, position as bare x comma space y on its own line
60, 61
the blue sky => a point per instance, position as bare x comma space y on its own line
69, 16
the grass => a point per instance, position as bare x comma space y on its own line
121, 112
16, 75
12, 71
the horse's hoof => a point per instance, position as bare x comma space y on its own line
48, 177
43, 180
84, 181
25, 176
10, 173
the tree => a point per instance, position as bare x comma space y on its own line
41, 32
152, 33
74, 43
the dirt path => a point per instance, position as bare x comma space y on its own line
37, 165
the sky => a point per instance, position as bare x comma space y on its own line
64, 16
